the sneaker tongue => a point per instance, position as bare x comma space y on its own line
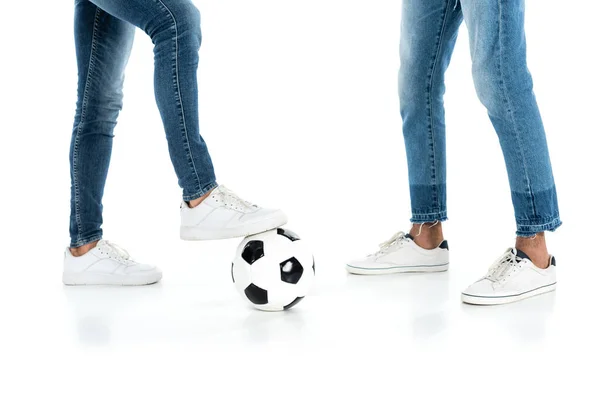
521, 254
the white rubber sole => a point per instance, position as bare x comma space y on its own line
497, 300
397, 270
93, 279
199, 233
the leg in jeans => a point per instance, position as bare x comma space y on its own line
505, 87
103, 44
104, 35
429, 31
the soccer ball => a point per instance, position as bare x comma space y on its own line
273, 270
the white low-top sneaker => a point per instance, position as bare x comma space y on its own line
402, 254
107, 264
224, 215
512, 277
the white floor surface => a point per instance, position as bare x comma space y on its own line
191, 336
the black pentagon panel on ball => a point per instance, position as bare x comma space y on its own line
254, 250
256, 295
288, 234
293, 303
291, 270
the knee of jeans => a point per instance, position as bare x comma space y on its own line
412, 88
181, 22
101, 105
495, 87
188, 20
487, 85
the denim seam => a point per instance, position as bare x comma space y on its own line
427, 215
84, 105
430, 102
552, 225
516, 130
187, 140
82, 242
201, 193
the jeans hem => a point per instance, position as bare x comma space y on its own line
527, 229
83, 242
429, 217
201, 193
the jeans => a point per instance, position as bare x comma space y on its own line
504, 86
104, 32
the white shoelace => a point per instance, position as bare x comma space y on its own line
503, 266
117, 252
397, 238
233, 201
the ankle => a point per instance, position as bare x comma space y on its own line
82, 250
535, 248
196, 202
428, 235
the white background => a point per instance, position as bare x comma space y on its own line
300, 111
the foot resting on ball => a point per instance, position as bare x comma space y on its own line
223, 215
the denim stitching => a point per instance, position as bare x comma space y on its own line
84, 104
523, 229
441, 216
187, 148
201, 193
430, 104
83, 242
511, 108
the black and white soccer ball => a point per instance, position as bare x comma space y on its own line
273, 270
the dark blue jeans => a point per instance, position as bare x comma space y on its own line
104, 32
504, 86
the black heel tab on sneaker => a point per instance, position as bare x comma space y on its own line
553, 261
444, 245
522, 254
409, 236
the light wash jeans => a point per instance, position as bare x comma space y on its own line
104, 32
504, 86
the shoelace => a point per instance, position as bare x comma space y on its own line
503, 266
233, 201
116, 252
397, 238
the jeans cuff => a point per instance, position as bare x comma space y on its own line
83, 242
527, 228
201, 193
419, 218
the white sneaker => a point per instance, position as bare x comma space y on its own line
107, 264
512, 277
402, 254
224, 215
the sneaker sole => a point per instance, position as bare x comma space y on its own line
397, 270
492, 301
198, 233
89, 279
